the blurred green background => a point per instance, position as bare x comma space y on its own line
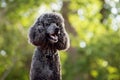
94, 31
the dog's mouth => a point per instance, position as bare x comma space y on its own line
53, 38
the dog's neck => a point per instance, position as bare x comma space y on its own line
47, 51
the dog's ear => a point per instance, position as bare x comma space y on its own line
31, 34
63, 40
36, 33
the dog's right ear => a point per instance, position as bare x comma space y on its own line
36, 33
31, 34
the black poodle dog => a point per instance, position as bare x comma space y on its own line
48, 34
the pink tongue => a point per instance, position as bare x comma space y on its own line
54, 37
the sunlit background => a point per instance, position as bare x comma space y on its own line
94, 31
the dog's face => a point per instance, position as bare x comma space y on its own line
52, 32
49, 32
52, 25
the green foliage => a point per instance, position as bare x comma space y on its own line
94, 52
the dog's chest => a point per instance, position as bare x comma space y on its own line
46, 64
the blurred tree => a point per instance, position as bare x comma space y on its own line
94, 41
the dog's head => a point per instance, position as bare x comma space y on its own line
49, 32
52, 24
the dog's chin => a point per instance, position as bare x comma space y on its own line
53, 38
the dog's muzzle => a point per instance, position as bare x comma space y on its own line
53, 31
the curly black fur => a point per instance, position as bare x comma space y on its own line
48, 35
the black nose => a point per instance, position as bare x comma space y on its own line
57, 30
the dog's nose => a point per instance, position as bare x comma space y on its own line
57, 30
